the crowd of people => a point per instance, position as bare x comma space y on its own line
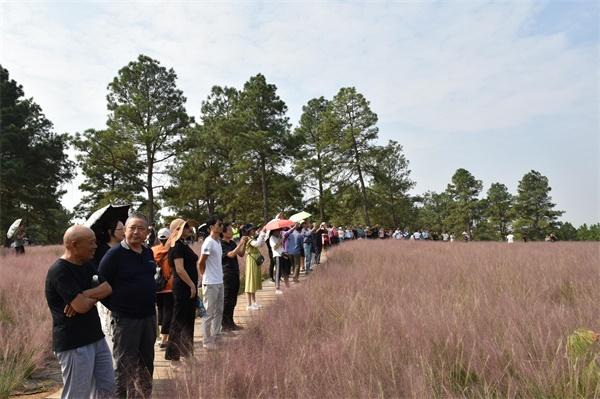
120, 287
112, 288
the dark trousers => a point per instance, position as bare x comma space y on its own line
181, 334
133, 351
164, 302
318, 254
231, 284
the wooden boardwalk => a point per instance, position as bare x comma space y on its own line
163, 372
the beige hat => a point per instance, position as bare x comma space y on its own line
176, 228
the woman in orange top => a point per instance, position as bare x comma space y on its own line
164, 298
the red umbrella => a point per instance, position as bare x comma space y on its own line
276, 224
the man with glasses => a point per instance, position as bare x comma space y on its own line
210, 266
129, 269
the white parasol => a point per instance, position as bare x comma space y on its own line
13, 228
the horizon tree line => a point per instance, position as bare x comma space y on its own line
243, 160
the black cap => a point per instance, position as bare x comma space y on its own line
247, 227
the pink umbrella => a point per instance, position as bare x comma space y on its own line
276, 224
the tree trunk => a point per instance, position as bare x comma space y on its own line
263, 182
150, 189
363, 190
393, 207
320, 177
149, 185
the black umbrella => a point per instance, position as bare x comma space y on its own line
106, 214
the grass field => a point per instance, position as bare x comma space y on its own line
419, 319
380, 319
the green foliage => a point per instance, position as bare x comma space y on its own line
535, 214
235, 157
203, 170
498, 210
390, 184
313, 163
433, 212
263, 138
591, 233
148, 111
566, 232
241, 161
34, 165
465, 208
354, 123
111, 168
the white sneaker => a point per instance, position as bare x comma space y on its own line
209, 346
279, 292
257, 306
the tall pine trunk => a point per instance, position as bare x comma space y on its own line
363, 190
320, 177
150, 189
263, 182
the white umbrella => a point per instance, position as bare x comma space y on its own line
13, 228
300, 216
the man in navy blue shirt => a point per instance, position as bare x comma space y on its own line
129, 269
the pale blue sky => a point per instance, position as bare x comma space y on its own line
496, 88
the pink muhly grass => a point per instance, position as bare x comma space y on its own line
417, 319
25, 321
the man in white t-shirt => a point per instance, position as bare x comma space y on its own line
510, 238
210, 266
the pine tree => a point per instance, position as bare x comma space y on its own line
534, 210
148, 110
33, 166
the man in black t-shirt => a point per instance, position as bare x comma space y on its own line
129, 268
77, 338
231, 275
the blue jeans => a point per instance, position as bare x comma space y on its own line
87, 371
307, 256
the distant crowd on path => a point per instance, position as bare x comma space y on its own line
110, 290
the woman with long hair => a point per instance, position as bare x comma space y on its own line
185, 280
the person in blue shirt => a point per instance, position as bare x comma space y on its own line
129, 269
295, 247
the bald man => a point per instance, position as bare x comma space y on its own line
72, 291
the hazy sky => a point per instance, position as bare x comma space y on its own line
496, 88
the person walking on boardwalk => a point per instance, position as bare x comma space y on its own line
318, 242
231, 275
77, 338
129, 268
280, 257
308, 231
164, 298
253, 281
294, 248
211, 268
182, 260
